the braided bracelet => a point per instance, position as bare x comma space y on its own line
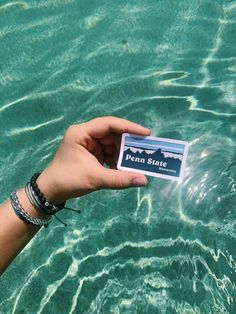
38, 199
23, 215
39, 202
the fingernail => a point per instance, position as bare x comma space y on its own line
149, 131
139, 181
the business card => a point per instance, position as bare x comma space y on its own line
153, 156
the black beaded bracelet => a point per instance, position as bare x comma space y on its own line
45, 205
38, 200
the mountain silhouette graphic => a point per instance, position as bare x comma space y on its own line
152, 162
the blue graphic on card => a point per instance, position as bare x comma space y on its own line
153, 156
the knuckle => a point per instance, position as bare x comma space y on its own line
72, 131
96, 183
110, 117
106, 118
100, 180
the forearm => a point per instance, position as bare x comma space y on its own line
15, 233
76, 170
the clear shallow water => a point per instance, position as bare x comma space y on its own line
170, 65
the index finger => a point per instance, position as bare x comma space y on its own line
103, 126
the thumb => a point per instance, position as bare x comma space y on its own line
117, 179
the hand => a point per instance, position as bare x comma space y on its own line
78, 165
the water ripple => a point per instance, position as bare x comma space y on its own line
166, 248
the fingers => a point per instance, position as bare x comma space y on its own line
103, 126
111, 139
109, 160
116, 179
98, 152
109, 150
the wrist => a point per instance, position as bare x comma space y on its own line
49, 188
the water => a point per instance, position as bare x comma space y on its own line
169, 65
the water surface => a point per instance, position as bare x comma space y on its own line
169, 65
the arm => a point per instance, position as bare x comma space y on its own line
76, 170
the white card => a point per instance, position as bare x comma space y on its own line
153, 156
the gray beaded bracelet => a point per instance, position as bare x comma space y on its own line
36, 202
23, 215
32, 197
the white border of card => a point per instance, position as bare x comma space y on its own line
158, 139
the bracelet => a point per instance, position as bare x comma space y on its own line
39, 202
23, 215
38, 199
32, 197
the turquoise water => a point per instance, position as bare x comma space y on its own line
169, 65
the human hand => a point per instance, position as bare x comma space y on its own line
78, 165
